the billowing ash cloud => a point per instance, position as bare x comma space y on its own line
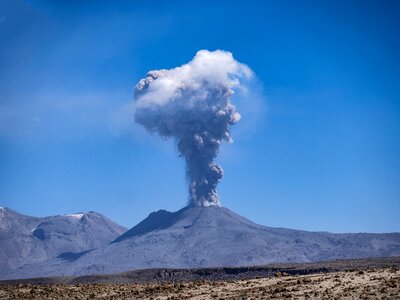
192, 104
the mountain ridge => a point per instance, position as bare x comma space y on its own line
26, 239
197, 237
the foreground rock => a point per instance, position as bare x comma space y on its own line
368, 284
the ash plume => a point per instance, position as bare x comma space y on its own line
192, 104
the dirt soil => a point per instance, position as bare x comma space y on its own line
376, 280
370, 284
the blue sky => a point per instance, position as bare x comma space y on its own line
318, 147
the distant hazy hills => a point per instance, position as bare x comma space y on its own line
28, 240
203, 237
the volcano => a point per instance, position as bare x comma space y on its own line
196, 237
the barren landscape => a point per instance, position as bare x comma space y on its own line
199, 149
352, 279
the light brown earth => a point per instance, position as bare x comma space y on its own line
382, 283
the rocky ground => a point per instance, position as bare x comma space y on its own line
382, 283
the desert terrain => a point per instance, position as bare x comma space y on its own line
354, 279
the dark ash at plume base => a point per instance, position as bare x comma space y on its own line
192, 104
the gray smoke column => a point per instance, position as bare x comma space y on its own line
192, 104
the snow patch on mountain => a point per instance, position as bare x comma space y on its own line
75, 216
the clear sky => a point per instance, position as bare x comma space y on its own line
318, 147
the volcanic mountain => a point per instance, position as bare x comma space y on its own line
209, 237
28, 240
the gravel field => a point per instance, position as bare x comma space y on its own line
371, 282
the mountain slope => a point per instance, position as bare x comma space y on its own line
25, 239
211, 237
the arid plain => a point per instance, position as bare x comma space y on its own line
376, 280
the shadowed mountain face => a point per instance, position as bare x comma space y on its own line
210, 237
27, 240
155, 221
